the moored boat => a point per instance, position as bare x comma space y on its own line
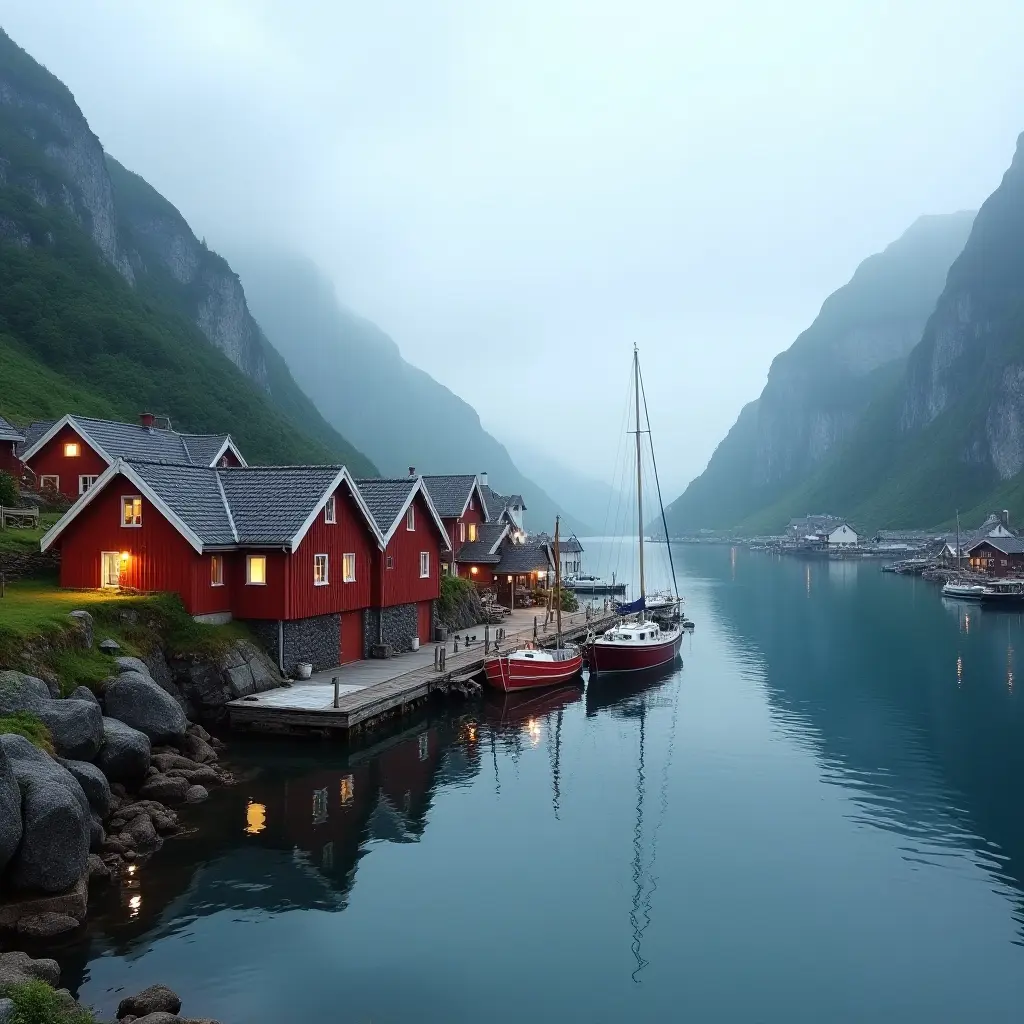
963, 591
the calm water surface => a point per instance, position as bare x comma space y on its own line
818, 817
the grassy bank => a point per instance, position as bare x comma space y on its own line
18, 541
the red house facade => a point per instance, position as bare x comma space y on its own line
10, 439
460, 503
1001, 556
70, 454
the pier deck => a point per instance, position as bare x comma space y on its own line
375, 689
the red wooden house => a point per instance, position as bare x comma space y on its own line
10, 439
501, 562
460, 503
71, 453
1001, 556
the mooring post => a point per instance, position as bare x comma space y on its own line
535, 627
337, 690
444, 652
487, 638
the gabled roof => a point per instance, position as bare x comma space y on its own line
451, 494
518, 558
485, 549
113, 440
234, 506
8, 432
1007, 545
389, 498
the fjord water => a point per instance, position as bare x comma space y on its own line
818, 816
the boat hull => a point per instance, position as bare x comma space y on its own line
606, 658
512, 675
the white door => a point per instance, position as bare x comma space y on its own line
110, 568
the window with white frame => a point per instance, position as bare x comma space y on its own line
331, 510
472, 532
424, 564
410, 518
86, 481
216, 570
389, 562
472, 504
72, 450
462, 532
320, 570
348, 567
49, 481
256, 570
131, 510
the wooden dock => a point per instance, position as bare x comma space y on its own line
309, 709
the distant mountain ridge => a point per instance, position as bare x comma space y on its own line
106, 293
820, 390
356, 375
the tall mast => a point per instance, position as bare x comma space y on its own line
639, 473
958, 540
558, 590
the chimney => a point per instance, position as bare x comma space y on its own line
1005, 518
147, 419
483, 478
412, 471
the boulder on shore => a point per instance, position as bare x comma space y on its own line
136, 700
93, 782
82, 630
19, 692
165, 789
124, 756
17, 968
46, 926
84, 693
10, 811
75, 725
155, 999
56, 821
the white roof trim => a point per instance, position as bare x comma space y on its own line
65, 421
226, 446
343, 476
501, 537
480, 495
418, 488
227, 506
120, 467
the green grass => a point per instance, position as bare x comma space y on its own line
17, 541
36, 1003
22, 723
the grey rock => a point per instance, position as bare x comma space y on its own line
201, 775
82, 622
125, 663
10, 811
56, 821
196, 794
6, 1011
76, 727
97, 837
195, 729
19, 692
143, 833
197, 750
160, 1017
137, 701
124, 756
155, 999
165, 762
46, 926
165, 789
93, 782
109, 646
16, 968
97, 868
84, 693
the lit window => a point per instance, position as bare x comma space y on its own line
462, 532
49, 483
72, 450
85, 482
389, 562
348, 567
472, 531
424, 564
320, 570
216, 570
410, 519
330, 510
131, 510
347, 790
256, 570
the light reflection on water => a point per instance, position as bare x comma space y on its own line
810, 820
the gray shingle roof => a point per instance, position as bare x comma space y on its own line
385, 497
8, 432
193, 495
1007, 545
480, 549
495, 502
449, 493
203, 448
33, 432
517, 558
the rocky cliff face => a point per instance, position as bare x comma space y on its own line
818, 389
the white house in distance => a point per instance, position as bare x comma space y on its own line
842, 536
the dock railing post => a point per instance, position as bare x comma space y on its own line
487, 638
535, 627
337, 691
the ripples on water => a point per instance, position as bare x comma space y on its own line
815, 818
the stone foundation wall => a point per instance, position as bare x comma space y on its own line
316, 640
23, 564
395, 626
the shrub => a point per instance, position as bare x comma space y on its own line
23, 723
36, 1003
9, 494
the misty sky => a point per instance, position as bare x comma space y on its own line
518, 191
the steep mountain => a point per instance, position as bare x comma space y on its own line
820, 389
104, 285
395, 412
950, 433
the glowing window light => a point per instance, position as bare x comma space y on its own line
255, 818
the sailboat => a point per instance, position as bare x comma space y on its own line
638, 643
532, 666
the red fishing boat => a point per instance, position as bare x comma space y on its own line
639, 643
531, 666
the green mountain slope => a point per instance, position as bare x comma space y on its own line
396, 413
93, 320
819, 391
